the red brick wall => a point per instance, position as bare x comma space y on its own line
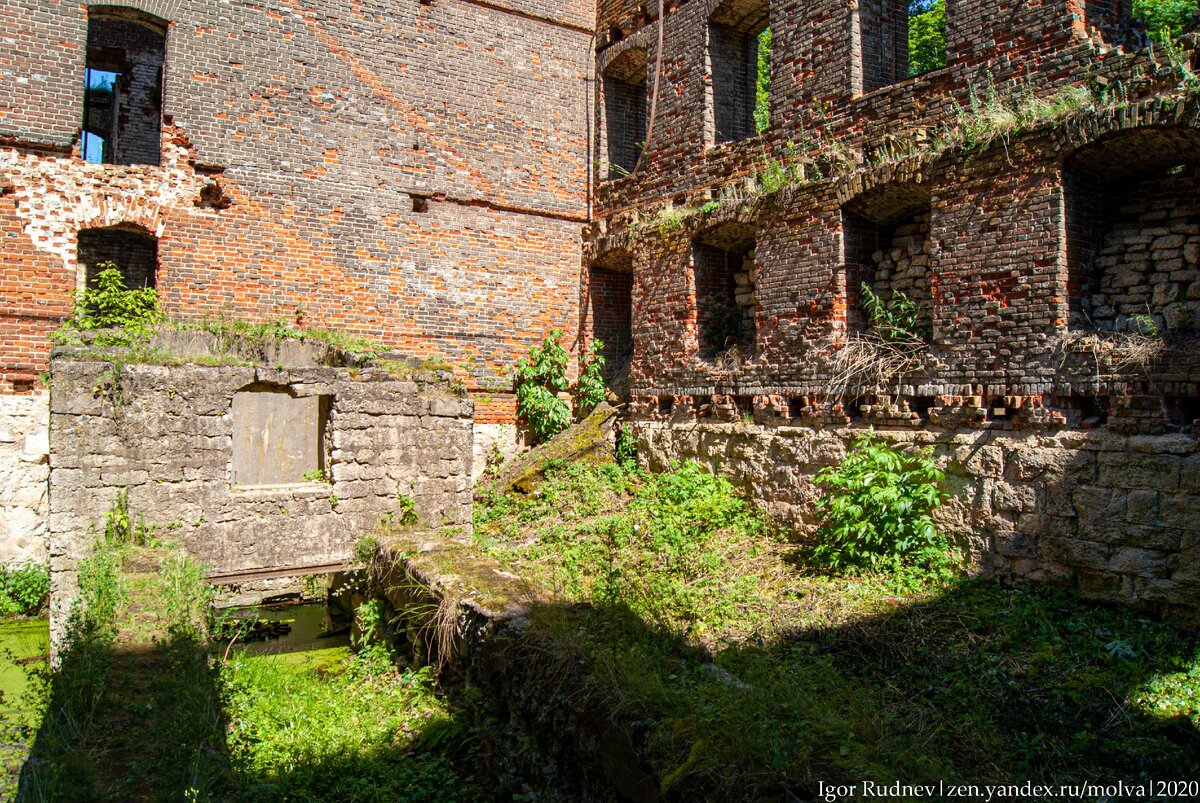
296, 139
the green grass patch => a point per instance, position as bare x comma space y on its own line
332, 726
757, 676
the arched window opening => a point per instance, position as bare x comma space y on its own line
725, 275
132, 249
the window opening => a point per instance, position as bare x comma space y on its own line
725, 274
624, 89
739, 69
926, 36
131, 248
122, 104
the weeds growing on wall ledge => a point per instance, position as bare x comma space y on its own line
122, 316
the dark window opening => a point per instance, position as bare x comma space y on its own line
887, 249
797, 406
610, 313
1132, 213
1183, 413
420, 204
133, 250
725, 274
666, 405
122, 106
624, 89
739, 69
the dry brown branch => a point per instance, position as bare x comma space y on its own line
867, 361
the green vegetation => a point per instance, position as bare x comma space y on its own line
24, 588
926, 35
753, 675
539, 380
24, 649
1164, 19
878, 509
107, 304
762, 83
897, 320
541, 377
232, 332
590, 389
145, 708
329, 725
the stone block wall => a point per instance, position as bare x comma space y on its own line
24, 469
166, 437
1112, 515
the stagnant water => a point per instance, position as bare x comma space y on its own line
292, 627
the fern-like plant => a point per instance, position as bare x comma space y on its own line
877, 511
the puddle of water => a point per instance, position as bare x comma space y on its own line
308, 627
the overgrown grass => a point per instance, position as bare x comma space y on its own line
756, 677
331, 726
143, 708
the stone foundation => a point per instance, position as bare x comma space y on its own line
1115, 516
171, 438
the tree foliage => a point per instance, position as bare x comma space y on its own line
926, 35
1164, 19
109, 304
762, 83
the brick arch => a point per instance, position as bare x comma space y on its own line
166, 11
1149, 118
108, 211
910, 172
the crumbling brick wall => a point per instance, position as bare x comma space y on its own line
1022, 245
411, 173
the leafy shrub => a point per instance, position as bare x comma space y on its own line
24, 588
109, 304
589, 390
896, 320
539, 380
877, 512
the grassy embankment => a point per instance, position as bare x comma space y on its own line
759, 675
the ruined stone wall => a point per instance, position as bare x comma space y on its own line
1114, 516
1023, 246
168, 437
24, 468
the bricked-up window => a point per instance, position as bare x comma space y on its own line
278, 437
122, 105
1132, 228
610, 310
736, 32
625, 111
131, 248
896, 39
886, 245
724, 272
